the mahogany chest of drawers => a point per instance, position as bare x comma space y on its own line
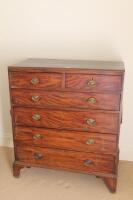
66, 115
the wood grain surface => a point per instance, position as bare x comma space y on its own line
66, 159
58, 99
46, 80
71, 140
80, 82
69, 120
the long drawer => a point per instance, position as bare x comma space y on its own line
71, 160
66, 99
93, 121
71, 140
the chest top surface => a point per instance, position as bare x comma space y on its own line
41, 65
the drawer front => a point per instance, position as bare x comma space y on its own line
71, 140
64, 159
93, 82
66, 99
35, 80
71, 120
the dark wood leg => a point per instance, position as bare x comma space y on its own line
111, 183
16, 169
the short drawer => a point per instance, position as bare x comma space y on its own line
63, 159
93, 82
66, 99
71, 140
92, 121
35, 80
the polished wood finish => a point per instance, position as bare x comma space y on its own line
70, 140
45, 80
69, 120
65, 99
66, 115
102, 83
63, 159
76, 66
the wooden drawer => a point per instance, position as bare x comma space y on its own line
93, 82
66, 99
93, 121
80, 161
35, 80
71, 140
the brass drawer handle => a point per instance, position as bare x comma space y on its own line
91, 121
91, 100
35, 98
37, 136
36, 117
88, 162
38, 156
35, 81
91, 83
90, 141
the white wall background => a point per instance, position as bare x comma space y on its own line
75, 29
